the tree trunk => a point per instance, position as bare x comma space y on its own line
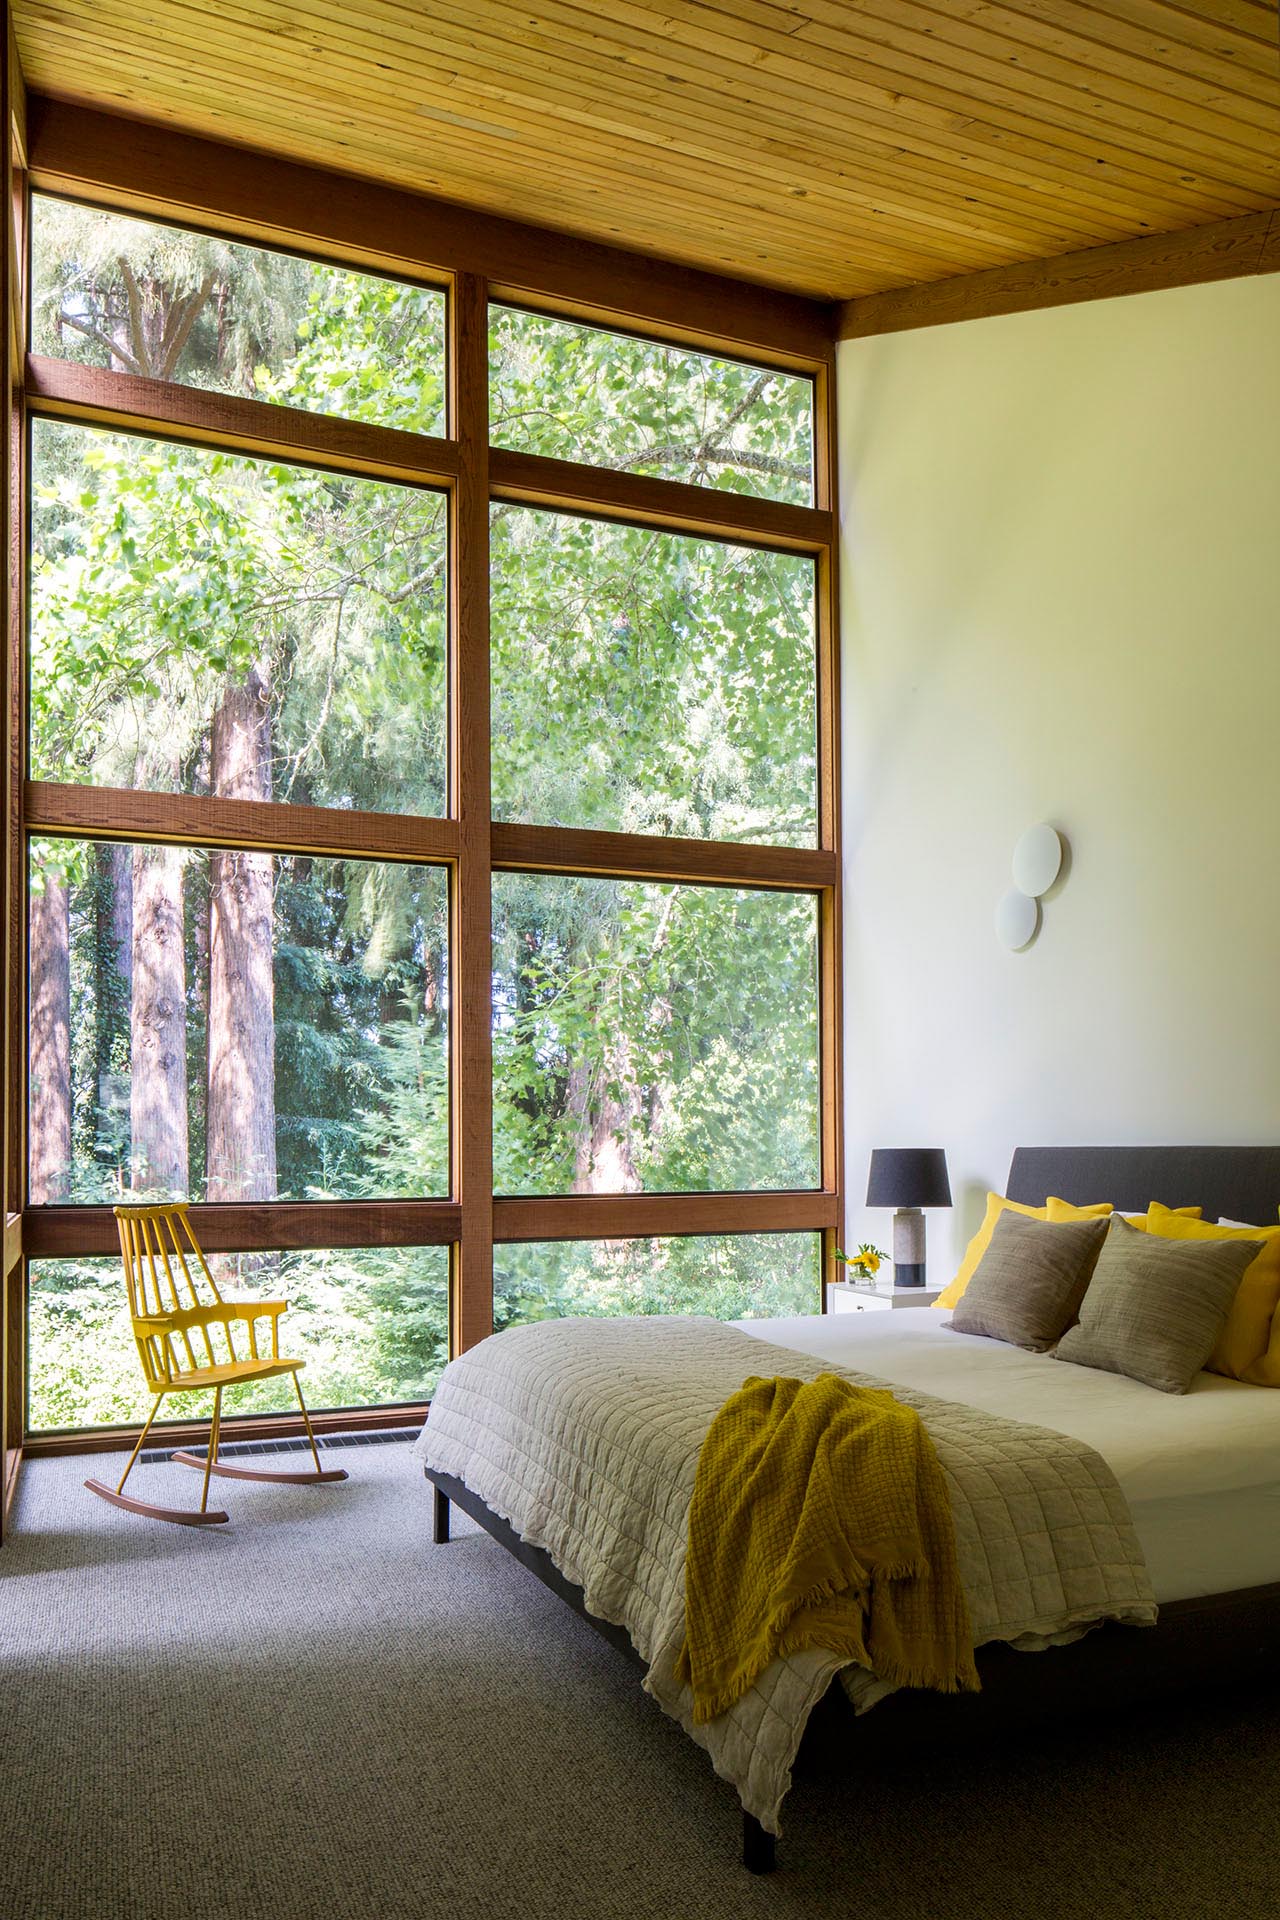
50, 1060
605, 1124
122, 911
242, 1066
112, 998
158, 1025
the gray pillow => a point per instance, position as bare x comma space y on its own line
1028, 1285
1155, 1307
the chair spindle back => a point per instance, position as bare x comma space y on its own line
163, 1288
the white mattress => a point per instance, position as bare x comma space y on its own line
1201, 1471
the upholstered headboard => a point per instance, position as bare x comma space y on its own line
1231, 1183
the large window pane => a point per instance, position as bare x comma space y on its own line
650, 682
204, 623
372, 1324
653, 1038
732, 1276
135, 297
612, 400
235, 1026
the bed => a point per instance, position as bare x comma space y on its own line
1185, 1500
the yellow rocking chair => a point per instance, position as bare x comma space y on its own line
179, 1346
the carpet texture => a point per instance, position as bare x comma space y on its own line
315, 1714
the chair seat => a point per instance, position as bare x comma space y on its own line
221, 1376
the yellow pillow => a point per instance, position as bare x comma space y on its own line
1247, 1341
1054, 1209
1266, 1371
1143, 1221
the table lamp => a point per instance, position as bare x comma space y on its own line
908, 1178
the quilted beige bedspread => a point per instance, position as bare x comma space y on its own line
584, 1435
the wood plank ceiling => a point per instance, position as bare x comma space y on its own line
832, 147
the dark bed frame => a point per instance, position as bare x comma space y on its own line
1115, 1668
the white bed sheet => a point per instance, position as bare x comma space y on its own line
1201, 1471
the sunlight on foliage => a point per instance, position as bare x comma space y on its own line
372, 1324
747, 1276
253, 1026
611, 400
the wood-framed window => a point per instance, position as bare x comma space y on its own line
427, 768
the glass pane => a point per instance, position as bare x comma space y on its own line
651, 683
653, 1038
203, 623
235, 1026
372, 1324
134, 297
612, 400
732, 1276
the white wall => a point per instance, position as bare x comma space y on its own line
1061, 601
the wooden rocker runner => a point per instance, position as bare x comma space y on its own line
179, 1346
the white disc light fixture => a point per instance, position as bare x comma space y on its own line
1017, 919
1037, 860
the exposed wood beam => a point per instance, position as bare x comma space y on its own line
163, 174
65, 391
54, 1233
634, 856
1269, 259
631, 1216
470, 897
830, 906
1223, 250
12, 679
17, 88
210, 820
640, 498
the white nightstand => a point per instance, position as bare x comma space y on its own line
844, 1297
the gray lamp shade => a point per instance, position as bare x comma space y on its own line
908, 1177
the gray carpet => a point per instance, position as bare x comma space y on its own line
314, 1714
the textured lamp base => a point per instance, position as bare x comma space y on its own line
908, 1247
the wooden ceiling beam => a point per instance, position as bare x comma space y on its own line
1222, 250
158, 173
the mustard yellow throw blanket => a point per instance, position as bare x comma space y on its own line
820, 1518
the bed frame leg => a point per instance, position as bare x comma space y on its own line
759, 1849
441, 1533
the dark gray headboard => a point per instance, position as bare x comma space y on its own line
1232, 1183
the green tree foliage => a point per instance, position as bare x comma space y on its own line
646, 682
645, 1036
109, 291
610, 400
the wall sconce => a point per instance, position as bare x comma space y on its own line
1037, 862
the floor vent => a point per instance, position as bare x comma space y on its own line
237, 1449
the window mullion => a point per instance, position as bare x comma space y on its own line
471, 1119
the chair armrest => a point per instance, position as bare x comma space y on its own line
144, 1324
249, 1311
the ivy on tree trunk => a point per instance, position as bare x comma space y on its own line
50, 1059
158, 1045
242, 1109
